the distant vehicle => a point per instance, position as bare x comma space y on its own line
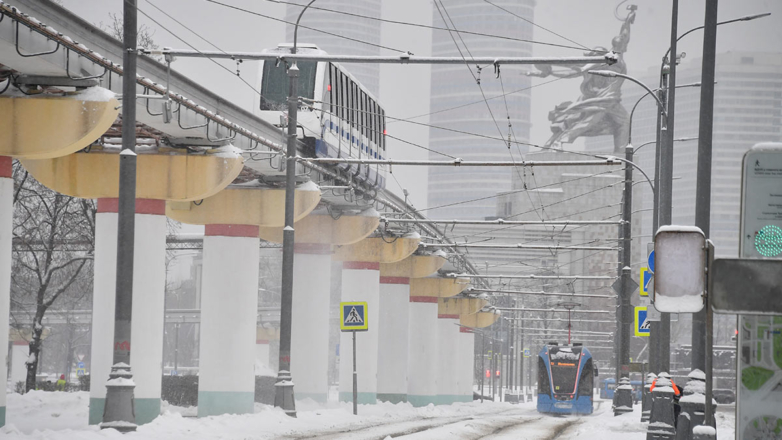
608, 385
565, 379
339, 118
724, 395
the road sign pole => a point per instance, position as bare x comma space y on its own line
355, 378
709, 414
483, 356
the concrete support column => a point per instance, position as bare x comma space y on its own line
466, 362
149, 282
393, 338
448, 367
229, 309
262, 364
20, 350
360, 282
6, 227
310, 332
422, 351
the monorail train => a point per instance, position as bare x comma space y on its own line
565, 379
338, 117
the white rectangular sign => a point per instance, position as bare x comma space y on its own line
758, 400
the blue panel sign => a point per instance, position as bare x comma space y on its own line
642, 325
650, 261
353, 316
80, 365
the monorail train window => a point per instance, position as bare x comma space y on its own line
587, 379
373, 120
383, 131
364, 109
354, 90
544, 387
274, 87
344, 94
331, 88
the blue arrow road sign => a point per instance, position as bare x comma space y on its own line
650, 261
80, 365
646, 277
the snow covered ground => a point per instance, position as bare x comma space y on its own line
61, 416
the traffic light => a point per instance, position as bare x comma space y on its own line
488, 374
498, 373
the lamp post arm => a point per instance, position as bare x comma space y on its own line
611, 74
296, 28
634, 166
746, 18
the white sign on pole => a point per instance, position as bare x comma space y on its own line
680, 269
758, 405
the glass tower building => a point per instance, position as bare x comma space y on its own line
468, 128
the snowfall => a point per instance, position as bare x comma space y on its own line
58, 415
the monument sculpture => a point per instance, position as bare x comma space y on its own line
599, 110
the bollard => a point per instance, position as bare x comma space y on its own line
693, 401
661, 421
683, 427
646, 403
623, 397
119, 412
704, 433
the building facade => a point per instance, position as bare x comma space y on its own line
458, 107
363, 34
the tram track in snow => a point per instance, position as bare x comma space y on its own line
409, 427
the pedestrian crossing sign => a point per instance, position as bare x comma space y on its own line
642, 324
353, 316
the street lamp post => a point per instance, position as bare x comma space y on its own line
283, 396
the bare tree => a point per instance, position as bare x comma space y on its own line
53, 246
144, 36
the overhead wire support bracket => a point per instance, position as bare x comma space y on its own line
610, 160
608, 59
506, 222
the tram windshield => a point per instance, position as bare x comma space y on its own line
564, 367
275, 84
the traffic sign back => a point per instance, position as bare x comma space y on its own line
353, 316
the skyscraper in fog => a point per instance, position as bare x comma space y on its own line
747, 110
457, 85
359, 31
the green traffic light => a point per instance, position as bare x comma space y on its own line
768, 241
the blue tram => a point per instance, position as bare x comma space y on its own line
565, 379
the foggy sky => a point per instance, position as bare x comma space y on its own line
404, 89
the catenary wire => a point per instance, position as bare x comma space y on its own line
404, 23
581, 46
303, 26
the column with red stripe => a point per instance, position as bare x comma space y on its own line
147, 326
229, 308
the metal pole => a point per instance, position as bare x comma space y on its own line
607, 59
483, 356
355, 378
284, 394
176, 347
666, 179
703, 179
709, 412
627, 290
119, 400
